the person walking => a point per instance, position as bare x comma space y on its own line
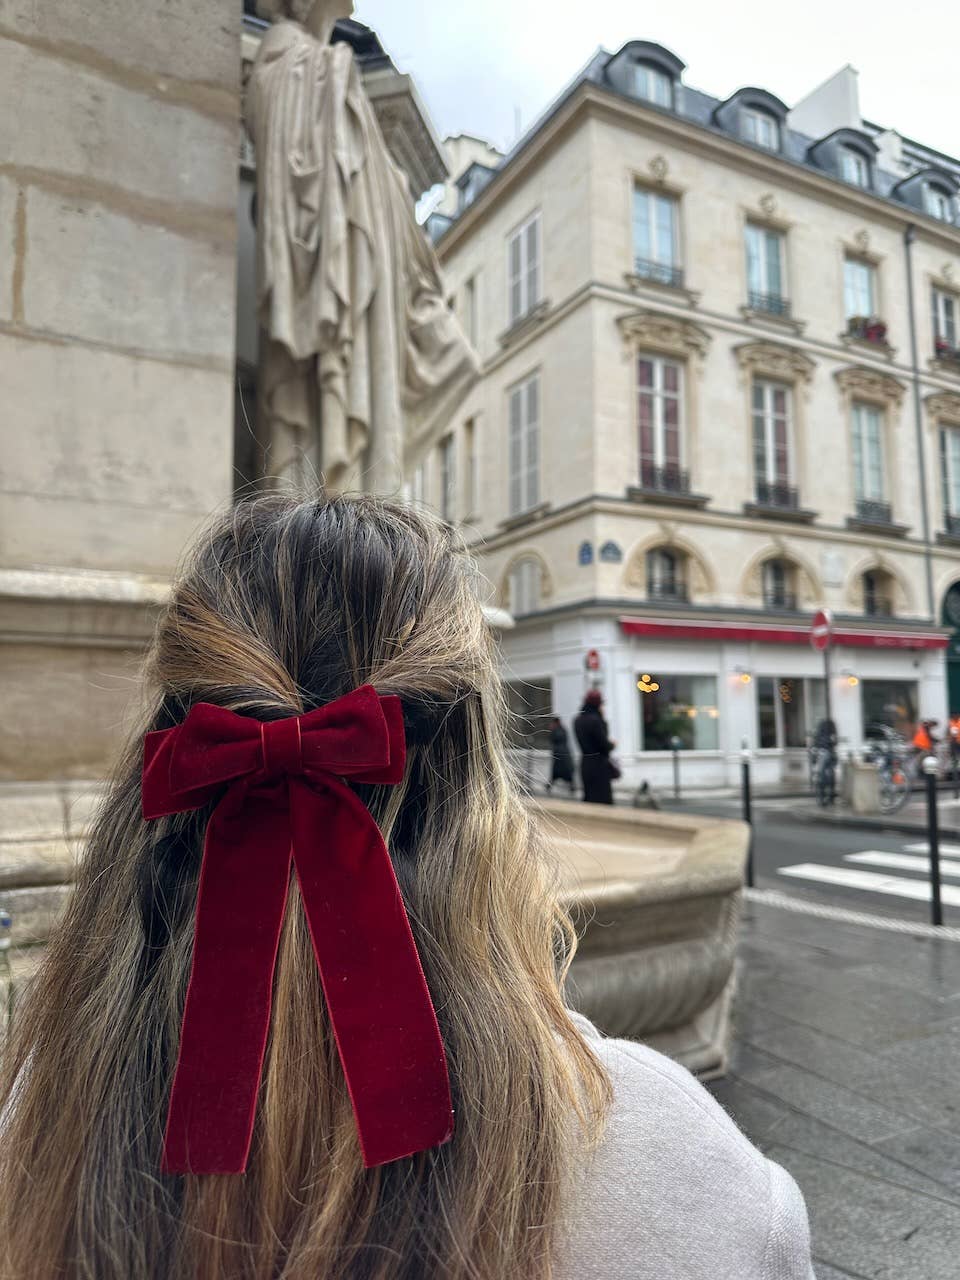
597, 771
562, 767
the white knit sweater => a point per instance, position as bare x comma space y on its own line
675, 1191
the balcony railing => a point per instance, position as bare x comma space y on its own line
867, 329
878, 606
771, 303
780, 497
658, 272
871, 512
668, 479
945, 351
783, 600
951, 524
670, 592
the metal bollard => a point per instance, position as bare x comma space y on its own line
675, 745
931, 768
745, 757
6, 924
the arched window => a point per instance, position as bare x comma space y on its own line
525, 586
779, 584
667, 574
877, 594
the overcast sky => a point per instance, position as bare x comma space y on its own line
477, 63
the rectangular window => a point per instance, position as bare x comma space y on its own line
945, 318
788, 711
892, 703
448, 478
660, 399
524, 586
950, 469
653, 86
418, 487
683, 707
854, 167
472, 468
523, 269
772, 446
524, 445
655, 239
868, 468
859, 288
765, 274
531, 707
471, 319
938, 203
761, 129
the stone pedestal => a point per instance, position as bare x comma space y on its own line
862, 786
656, 898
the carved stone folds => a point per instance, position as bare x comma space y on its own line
658, 331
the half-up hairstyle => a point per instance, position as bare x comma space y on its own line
284, 607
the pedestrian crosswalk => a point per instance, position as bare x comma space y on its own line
914, 860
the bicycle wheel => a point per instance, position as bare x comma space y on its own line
894, 788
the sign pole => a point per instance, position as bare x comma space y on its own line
828, 680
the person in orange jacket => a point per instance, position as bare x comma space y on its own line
922, 739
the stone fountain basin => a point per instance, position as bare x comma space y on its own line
656, 900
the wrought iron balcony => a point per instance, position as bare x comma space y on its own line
771, 303
658, 272
878, 606
871, 512
668, 592
780, 497
947, 353
786, 601
952, 525
867, 329
668, 479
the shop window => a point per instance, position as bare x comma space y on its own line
683, 707
892, 703
531, 709
788, 711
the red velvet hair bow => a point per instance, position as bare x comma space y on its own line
287, 799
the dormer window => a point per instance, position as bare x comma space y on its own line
760, 129
653, 85
854, 167
938, 203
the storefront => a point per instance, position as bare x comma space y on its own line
710, 689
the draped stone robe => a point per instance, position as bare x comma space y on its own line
355, 330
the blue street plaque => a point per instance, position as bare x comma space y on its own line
585, 554
610, 553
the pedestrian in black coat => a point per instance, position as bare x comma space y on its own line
562, 770
596, 769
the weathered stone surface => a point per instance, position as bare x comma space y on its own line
199, 42
8, 238
70, 120
94, 273
108, 481
31, 813
35, 911
27, 863
65, 709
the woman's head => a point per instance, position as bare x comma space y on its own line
284, 607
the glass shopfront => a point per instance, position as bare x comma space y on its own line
788, 711
681, 707
892, 703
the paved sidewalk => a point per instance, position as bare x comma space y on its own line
846, 1070
912, 818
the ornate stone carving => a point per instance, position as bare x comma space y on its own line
659, 167
768, 204
870, 384
656, 331
947, 272
862, 240
775, 361
944, 404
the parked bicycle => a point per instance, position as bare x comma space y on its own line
823, 764
898, 766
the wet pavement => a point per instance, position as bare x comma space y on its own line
846, 1070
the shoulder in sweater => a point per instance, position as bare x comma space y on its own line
675, 1191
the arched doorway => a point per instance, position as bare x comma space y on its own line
951, 618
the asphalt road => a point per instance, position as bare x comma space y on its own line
882, 872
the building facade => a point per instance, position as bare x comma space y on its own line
721, 389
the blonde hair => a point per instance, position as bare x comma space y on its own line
284, 607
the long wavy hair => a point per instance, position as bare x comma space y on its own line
283, 607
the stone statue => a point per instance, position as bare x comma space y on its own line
355, 330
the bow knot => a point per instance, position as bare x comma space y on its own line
376, 994
281, 747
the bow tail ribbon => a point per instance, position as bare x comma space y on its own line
373, 983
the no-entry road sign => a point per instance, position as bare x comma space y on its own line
821, 630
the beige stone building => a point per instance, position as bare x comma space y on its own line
721, 389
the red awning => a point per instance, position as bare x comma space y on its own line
763, 633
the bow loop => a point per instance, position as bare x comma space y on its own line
376, 994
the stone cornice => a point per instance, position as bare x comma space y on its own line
775, 360
661, 331
943, 405
870, 384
